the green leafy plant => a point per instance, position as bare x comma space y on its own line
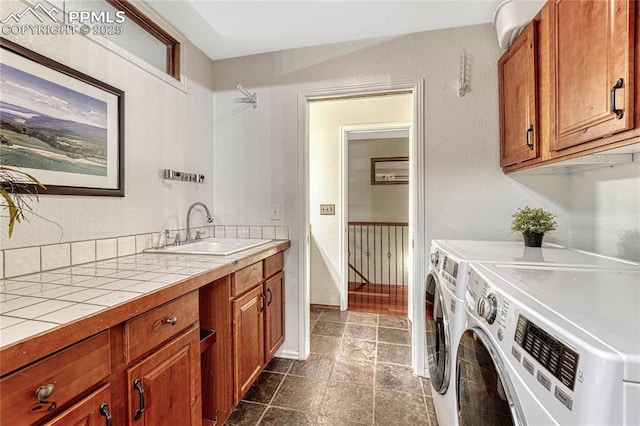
15, 193
533, 220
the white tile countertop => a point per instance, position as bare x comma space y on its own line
36, 304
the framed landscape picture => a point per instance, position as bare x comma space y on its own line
59, 125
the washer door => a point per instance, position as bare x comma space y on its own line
484, 392
438, 345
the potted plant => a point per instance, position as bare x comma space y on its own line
15, 193
533, 223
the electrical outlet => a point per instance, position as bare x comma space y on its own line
327, 209
275, 211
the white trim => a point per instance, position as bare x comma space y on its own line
417, 229
347, 133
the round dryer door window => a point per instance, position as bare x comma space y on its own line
483, 395
437, 338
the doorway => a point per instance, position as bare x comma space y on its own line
416, 232
376, 217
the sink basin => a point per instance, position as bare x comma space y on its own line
212, 246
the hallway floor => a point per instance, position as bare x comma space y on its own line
358, 373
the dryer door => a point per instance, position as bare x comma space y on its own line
438, 345
485, 394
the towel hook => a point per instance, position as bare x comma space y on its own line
462, 83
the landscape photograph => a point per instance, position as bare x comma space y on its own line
46, 126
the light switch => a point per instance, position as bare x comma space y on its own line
327, 209
275, 211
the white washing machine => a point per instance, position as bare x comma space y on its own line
445, 315
550, 345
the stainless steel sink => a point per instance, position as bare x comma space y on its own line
211, 246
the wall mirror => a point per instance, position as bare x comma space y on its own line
390, 171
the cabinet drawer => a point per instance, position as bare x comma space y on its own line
246, 278
145, 332
68, 373
273, 264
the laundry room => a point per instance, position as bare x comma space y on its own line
165, 165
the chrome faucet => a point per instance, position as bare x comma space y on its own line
209, 218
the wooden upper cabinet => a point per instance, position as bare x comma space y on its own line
592, 54
517, 73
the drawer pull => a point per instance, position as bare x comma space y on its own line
138, 386
45, 391
104, 410
172, 320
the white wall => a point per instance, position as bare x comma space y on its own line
605, 210
376, 203
468, 196
325, 180
164, 128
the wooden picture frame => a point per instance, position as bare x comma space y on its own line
61, 126
390, 171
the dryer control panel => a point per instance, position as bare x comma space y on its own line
553, 355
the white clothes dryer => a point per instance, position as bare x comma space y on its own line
550, 345
446, 284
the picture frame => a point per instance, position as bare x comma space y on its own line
390, 171
59, 125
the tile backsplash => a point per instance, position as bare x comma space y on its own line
29, 260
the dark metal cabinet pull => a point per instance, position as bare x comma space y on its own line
529, 143
104, 410
617, 112
270, 297
264, 302
138, 386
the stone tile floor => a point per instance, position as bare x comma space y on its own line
358, 373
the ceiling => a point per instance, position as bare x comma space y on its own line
228, 29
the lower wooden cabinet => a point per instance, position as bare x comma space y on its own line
48, 387
274, 316
248, 339
164, 388
94, 410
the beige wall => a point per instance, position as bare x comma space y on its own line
376, 203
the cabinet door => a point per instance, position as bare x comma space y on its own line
94, 410
517, 73
592, 52
248, 339
164, 388
274, 315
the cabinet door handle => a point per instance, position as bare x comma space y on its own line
264, 302
138, 386
529, 131
104, 410
270, 297
617, 112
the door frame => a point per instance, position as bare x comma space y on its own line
345, 132
417, 207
